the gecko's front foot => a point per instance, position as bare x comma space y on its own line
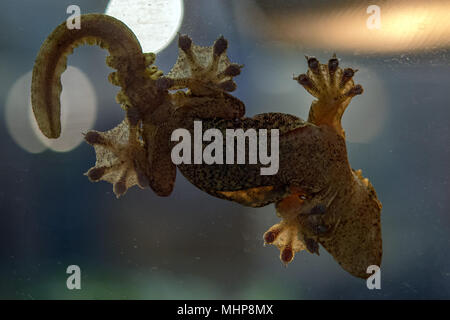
121, 157
203, 70
333, 87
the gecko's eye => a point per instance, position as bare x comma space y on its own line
302, 197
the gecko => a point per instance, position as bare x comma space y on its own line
318, 197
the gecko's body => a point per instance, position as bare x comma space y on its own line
316, 193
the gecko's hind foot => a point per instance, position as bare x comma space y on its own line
286, 237
301, 227
203, 70
333, 87
121, 157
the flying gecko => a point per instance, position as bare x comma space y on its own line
318, 196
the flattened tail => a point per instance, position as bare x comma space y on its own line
96, 29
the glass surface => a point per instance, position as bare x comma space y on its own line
192, 245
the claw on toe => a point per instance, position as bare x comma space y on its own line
333, 87
203, 70
120, 157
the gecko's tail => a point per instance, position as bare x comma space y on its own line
125, 55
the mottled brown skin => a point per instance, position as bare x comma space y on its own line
319, 198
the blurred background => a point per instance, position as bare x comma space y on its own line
194, 246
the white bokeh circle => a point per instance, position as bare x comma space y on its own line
154, 22
78, 113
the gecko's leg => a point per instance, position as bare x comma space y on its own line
286, 235
205, 71
317, 226
207, 74
305, 222
298, 231
162, 171
121, 156
333, 87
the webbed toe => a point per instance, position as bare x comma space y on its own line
203, 70
120, 158
333, 87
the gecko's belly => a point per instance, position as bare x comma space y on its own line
235, 168
304, 153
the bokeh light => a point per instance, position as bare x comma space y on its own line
404, 25
17, 116
78, 113
366, 115
155, 22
